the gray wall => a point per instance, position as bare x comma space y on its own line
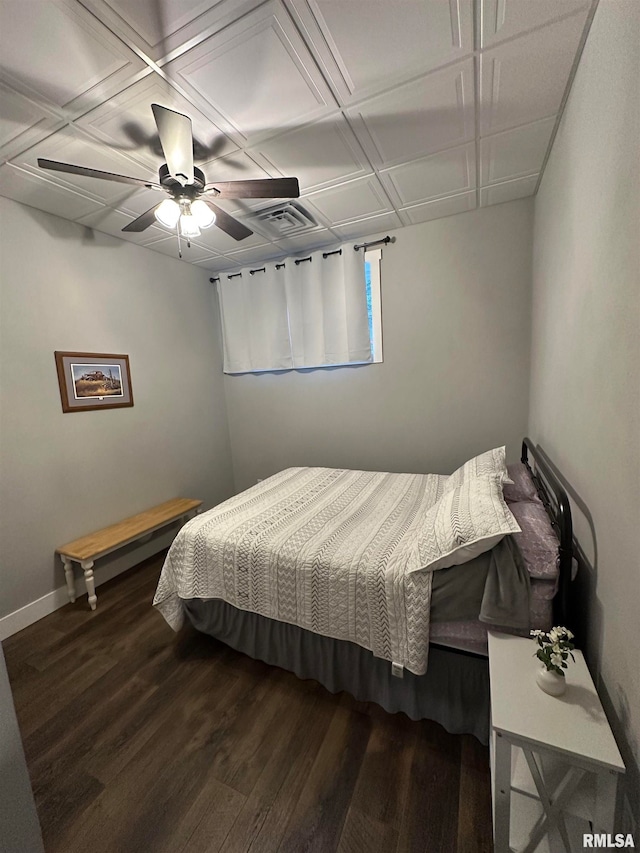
65, 287
585, 391
455, 377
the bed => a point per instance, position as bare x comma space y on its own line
382, 585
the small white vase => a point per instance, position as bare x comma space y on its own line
551, 682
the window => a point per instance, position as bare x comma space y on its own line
372, 260
323, 310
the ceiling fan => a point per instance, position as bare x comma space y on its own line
190, 206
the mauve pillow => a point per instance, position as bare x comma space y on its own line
522, 488
536, 540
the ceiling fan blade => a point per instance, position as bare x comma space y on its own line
261, 188
94, 173
176, 139
142, 222
228, 224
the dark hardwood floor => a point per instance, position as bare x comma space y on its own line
140, 740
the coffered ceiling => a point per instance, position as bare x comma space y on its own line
390, 112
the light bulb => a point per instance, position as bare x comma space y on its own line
203, 214
189, 226
167, 213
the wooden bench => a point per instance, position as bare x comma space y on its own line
88, 549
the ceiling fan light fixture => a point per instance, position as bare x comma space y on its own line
188, 226
184, 183
202, 213
168, 212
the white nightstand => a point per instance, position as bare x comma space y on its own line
555, 765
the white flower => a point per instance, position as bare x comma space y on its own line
536, 633
559, 634
556, 659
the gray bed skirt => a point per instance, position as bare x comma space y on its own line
454, 692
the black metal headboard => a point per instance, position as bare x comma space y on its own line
556, 503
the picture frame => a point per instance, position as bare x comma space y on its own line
90, 381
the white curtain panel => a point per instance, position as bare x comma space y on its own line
255, 326
310, 314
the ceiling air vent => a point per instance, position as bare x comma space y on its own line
285, 219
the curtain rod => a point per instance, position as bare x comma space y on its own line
325, 255
384, 240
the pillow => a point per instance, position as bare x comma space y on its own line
522, 487
467, 521
492, 463
537, 541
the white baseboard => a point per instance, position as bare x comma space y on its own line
41, 607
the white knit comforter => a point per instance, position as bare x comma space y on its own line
326, 549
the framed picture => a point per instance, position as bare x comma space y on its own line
90, 380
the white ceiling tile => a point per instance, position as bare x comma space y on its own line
525, 79
23, 122
257, 73
255, 255
427, 115
508, 191
153, 21
70, 146
355, 200
71, 59
319, 154
235, 167
502, 19
167, 27
444, 174
216, 264
126, 123
169, 246
368, 46
106, 219
515, 153
365, 228
39, 192
110, 221
439, 209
